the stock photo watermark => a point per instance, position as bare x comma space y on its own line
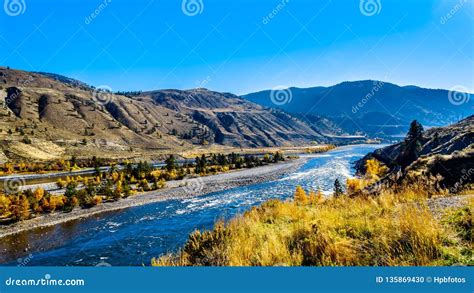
193, 186
280, 6
199, 85
47, 280
281, 95
377, 86
13, 185
458, 95
192, 7
24, 261
103, 95
465, 178
14, 7
15, 93
97, 11
453, 11
370, 7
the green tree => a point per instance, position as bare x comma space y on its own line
411, 145
338, 188
170, 163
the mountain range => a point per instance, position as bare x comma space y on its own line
370, 107
46, 116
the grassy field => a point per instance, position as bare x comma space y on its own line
392, 229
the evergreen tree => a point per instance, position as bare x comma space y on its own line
170, 163
411, 145
338, 189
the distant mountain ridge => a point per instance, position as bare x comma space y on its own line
45, 116
373, 107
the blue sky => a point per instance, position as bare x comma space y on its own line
236, 46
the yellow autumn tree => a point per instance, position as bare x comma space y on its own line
4, 205
300, 195
375, 169
312, 197
319, 196
39, 193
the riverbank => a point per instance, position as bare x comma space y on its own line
396, 228
175, 190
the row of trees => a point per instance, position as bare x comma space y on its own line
59, 165
302, 198
116, 183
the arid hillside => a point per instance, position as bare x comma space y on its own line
445, 157
46, 116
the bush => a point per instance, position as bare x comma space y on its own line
393, 229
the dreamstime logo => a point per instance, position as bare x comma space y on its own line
193, 186
281, 95
463, 180
199, 86
275, 11
103, 95
24, 261
377, 86
452, 12
103, 264
13, 185
14, 7
370, 7
11, 98
97, 11
192, 7
458, 95
374, 188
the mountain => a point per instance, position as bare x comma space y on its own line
371, 107
234, 121
446, 157
46, 116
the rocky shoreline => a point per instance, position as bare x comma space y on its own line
175, 190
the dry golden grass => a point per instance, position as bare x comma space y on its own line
388, 230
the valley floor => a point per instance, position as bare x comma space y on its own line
174, 190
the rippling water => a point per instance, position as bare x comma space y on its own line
134, 235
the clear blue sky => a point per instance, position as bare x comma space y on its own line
152, 44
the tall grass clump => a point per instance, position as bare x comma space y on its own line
392, 229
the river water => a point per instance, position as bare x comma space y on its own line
134, 235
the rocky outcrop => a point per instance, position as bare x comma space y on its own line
446, 158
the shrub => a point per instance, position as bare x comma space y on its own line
393, 229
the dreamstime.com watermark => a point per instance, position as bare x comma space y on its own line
458, 95
370, 7
45, 281
280, 6
281, 95
199, 85
14, 7
103, 95
13, 185
377, 86
453, 11
97, 11
24, 261
11, 98
192, 7
463, 179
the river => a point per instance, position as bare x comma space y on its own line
134, 235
